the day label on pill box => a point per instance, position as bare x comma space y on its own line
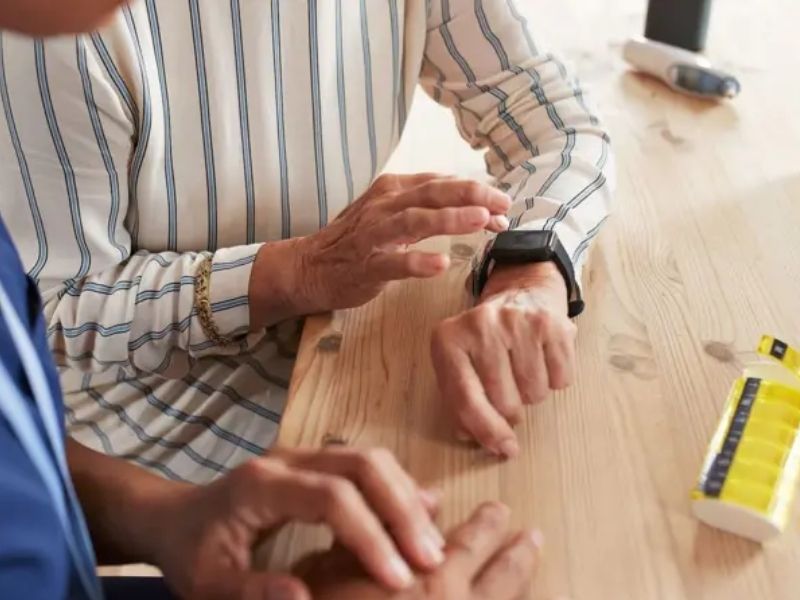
779, 349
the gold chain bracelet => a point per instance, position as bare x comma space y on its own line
202, 303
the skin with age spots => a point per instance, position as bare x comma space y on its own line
350, 261
507, 352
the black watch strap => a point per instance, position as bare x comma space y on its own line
562, 260
559, 256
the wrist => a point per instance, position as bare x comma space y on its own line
151, 513
274, 289
544, 278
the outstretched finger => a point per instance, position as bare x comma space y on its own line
441, 193
388, 182
415, 224
393, 266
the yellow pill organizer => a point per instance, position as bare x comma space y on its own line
748, 480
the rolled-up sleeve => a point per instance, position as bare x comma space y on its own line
544, 144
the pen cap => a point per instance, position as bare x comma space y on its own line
682, 23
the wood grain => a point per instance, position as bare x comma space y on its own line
701, 257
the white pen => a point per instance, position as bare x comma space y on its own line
682, 70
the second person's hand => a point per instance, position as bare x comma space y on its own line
485, 561
350, 261
374, 508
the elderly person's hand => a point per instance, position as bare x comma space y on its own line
204, 535
485, 561
349, 262
509, 351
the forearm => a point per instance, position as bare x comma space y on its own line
125, 506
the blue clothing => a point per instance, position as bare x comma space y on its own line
42, 555
35, 561
45, 551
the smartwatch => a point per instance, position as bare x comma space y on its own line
523, 247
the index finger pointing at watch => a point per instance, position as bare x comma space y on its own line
414, 224
398, 181
441, 193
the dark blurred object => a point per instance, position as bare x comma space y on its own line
136, 588
682, 23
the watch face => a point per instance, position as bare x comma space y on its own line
524, 246
520, 247
525, 239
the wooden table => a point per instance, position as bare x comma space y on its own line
702, 256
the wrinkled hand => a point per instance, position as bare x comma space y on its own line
484, 562
372, 505
509, 351
350, 261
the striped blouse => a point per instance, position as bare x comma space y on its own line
191, 127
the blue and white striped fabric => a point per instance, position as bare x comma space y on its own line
189, 127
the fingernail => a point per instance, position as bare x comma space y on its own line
500, 222
509, 448
463, 436
437, 536
432, 550
400, 574
537, 537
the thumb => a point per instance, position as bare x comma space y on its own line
272, 586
